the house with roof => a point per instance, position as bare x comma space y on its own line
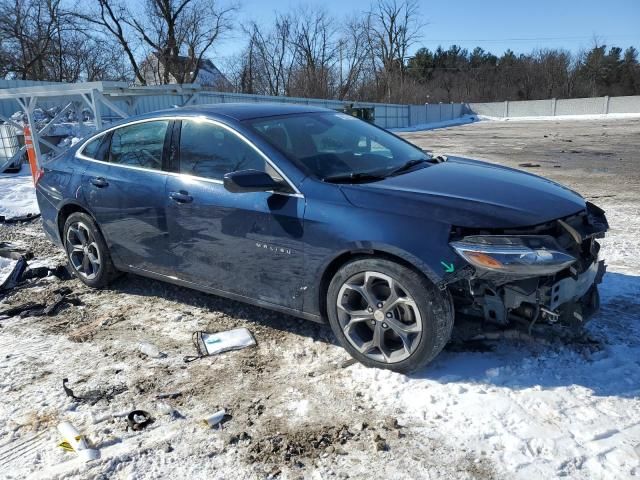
153, 70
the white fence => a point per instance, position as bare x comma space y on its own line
386, 115
554, 107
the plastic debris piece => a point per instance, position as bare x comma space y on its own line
150, 350
74, 441
215, 419
139, 419
215, 343
10, 272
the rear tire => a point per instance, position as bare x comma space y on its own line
387, 315
87, 252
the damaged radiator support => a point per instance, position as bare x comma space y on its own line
569, 297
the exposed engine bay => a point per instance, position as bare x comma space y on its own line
525, 277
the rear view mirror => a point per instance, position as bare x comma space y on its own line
250, 181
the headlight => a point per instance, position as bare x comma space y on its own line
528, 255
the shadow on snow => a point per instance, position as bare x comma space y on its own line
613, 369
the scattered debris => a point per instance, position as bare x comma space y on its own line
88, 331
215, 419
215, 343
94, 396
18, 310
61, 272
21, 219
171, 395
348, 362
61, 298
529, 165
11, 250
10, 272
75, 442
15, 269
150, 350
290, 447
240, 437
138, 420
594, 197
379, 443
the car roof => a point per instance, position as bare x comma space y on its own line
245, 111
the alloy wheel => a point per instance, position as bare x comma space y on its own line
379, 317
83, 251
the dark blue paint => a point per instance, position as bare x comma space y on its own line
273, 249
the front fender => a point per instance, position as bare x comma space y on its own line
334, 229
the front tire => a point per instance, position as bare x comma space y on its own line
87, 251
387, 315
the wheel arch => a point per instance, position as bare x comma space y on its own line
343, 258
67, 210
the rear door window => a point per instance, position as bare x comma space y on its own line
139, 145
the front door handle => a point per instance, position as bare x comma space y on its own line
180, 197
99, 182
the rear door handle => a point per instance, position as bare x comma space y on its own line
180, 197
99, 182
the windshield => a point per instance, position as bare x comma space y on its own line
335, 146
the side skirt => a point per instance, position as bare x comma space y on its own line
223, 293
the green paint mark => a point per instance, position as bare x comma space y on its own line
448, 267
212, 340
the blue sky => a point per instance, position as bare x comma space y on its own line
494, 25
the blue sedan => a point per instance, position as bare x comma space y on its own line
317, 214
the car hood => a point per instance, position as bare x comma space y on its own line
469, 193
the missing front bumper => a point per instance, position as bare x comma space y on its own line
570, 300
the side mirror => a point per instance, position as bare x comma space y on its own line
250, 181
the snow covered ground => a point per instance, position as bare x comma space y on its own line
501, 409
17, 194
536, 412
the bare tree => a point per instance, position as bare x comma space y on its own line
177, 34
317, 47
41, 40
393, 29
109, 17
353, 52
271, 57
27, 32
181, 32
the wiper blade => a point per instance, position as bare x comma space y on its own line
353, 177
409, 165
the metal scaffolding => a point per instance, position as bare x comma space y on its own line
95, 95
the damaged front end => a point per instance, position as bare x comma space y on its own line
548, 273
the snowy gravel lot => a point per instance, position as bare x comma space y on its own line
298, 408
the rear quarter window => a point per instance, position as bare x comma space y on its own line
97, 148
92, 148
